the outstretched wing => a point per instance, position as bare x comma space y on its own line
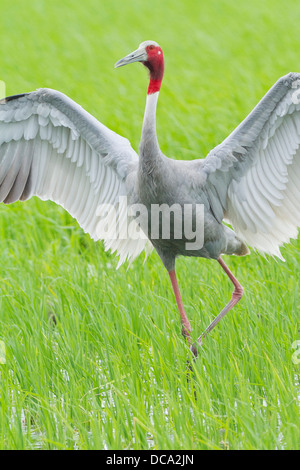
51, 148
253, 177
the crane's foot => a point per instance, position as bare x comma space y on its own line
189, 362
194, 347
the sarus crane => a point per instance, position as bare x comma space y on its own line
54, 149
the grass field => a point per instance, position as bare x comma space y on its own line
111, 372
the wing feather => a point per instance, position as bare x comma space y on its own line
18, 187
51, 148
258, 168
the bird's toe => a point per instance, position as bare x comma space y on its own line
194, 350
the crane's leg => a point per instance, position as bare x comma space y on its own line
186, 327
236, 296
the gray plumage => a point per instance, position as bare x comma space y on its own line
51, 148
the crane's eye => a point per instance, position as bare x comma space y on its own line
151, 47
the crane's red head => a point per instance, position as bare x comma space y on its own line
151, 55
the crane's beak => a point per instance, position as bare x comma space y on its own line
140, 55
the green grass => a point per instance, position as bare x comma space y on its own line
111, 372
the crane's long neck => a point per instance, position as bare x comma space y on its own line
150, 153
149, 144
